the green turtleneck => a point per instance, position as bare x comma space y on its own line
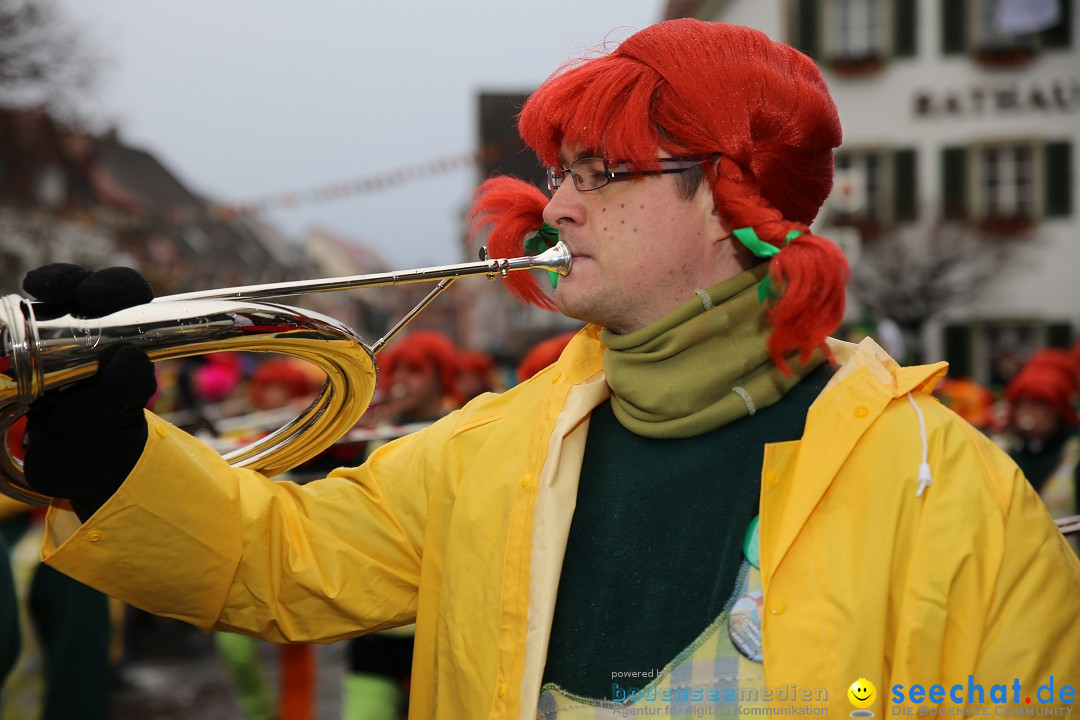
663, 503
703, 365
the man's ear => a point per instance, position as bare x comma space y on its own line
716, 226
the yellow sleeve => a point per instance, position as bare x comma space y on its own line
187, 536
1032, 629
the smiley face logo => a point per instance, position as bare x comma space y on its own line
862, 694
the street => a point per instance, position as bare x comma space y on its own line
175, 673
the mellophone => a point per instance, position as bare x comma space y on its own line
40, 353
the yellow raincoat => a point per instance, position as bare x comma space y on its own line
461, 528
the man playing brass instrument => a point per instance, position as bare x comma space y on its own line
703, 504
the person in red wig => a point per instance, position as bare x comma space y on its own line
475, 374
420, 377
542, 354
968, 399
1043, 423
281, 382
703, 501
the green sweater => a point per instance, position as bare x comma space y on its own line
656, 540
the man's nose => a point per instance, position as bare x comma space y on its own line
565, 207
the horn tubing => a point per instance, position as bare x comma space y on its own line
1068, 525
435, 292
557, 259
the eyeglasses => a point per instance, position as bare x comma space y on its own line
593, 173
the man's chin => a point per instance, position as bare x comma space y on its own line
571, 306
585, 312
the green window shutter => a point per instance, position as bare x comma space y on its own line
1060, 36
807, 27
905, 198
954, 201
1057, 181
1059, 335
905, 28
958, 350
953, 26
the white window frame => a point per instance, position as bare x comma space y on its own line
50, 185
981, 36
874, 42
1013, 195
882, 212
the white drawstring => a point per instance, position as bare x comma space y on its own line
751, 408
924, 467
705, 298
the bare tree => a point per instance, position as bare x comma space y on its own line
44, 60
911, 277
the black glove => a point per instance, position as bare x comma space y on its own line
83, 440
78, 291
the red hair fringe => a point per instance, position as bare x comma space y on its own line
513, 209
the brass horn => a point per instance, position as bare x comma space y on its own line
40, 353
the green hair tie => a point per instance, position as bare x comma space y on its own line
545, 239
762, 249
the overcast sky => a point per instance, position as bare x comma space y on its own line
248, 98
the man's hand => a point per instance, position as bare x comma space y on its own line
85, 293
84, 440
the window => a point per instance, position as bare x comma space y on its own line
1008, 182
858, 191
1004, 32
992, 351
82, 190
990, 33
1007, 185
857, 29
855, 36
874, 187
50, 184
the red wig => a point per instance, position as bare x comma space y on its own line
474, 361
1051, 376
543, 354
428, 350
287, 373
698, 89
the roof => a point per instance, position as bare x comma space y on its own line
341, 255
141, 175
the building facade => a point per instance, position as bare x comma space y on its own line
956, 193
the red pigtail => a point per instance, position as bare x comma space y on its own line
514, 210
808, 275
